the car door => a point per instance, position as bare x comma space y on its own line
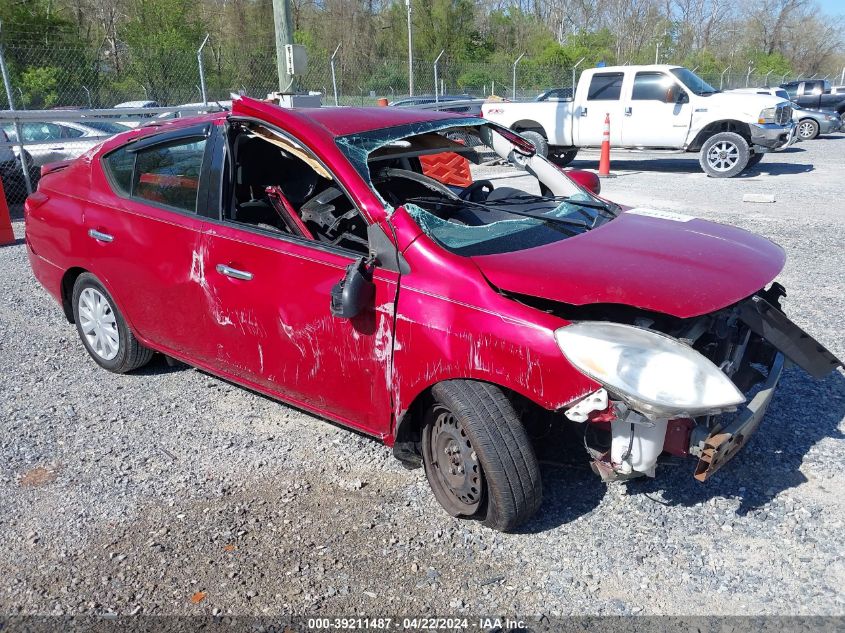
657, 112
271, 321
144, 237
602, 97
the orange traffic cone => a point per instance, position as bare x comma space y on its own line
604, 161
7, 236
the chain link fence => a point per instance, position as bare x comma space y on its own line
79, 78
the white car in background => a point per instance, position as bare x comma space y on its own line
192, 109
139, 118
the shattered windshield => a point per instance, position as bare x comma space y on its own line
474, 187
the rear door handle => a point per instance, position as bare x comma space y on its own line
629, 111
583, 111
56, 149
100, 236
223, 269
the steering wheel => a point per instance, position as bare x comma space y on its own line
474, 192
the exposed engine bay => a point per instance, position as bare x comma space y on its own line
624, 442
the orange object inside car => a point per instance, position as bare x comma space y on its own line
448, 168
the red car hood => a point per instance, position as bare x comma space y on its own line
653, 260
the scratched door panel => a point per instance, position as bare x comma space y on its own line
275, 329
149, 267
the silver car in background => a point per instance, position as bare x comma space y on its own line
50, 141
809, 123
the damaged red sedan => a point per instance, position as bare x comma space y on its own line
324, 258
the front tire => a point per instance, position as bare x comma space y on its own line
477, 456
103, 329
538, 141
724, 155
808, 129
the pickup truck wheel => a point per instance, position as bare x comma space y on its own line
754, 159
103, 330
562, 158
724, 155
477, 456
808, 130
538, 141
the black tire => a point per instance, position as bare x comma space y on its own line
808, 129
724, 155
500, 464
753, 160
538, 141
130, 353
562, 158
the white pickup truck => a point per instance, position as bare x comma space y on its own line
656, 107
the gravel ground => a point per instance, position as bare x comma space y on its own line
169, 491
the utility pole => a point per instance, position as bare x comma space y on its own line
410, 52
284, 35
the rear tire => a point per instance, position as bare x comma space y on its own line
477, 456
724, 155
538, 141
808, 129
103, 329
754, 159
562, 158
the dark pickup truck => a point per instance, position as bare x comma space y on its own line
814, 94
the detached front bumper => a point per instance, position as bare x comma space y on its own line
770, 137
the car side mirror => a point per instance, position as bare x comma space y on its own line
586, 179
682, 96
354, 292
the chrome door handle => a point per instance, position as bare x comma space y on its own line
583, 111
223, 269
100, 236
629, 111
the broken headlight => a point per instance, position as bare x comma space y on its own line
654, 373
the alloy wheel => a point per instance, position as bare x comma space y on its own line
806, 130
723, 156
98, 323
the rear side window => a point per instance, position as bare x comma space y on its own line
167, 174
119, 166
40, 132
71, 132
605, 87
651, 87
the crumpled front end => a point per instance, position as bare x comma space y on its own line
627, 429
